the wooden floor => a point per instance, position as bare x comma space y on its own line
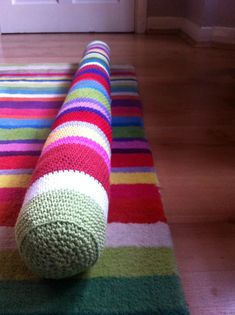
189, 105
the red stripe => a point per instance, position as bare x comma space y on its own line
92, 76
124, 111
124, 96
86, 116
8, 194
16, 162
73, 157
9, 212
138, 203
133, 159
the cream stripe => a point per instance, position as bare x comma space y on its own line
40, 84
96, 55
70, 180
78, 131
139, 235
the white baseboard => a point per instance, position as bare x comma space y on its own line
197, 33
224, 34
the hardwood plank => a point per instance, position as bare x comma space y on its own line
206, 259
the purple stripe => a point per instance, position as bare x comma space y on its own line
133, 169
30, 104
22, 141
80, 140
87, 103
126, 103
16, 153
125, 151
85, 110
17, 171
130, 139
130, 145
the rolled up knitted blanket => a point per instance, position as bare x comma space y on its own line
60, 230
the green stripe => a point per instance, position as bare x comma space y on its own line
114, 262
175, 311
24, 133
97, 296
88, 93
128, 132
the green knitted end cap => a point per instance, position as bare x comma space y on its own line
60, 234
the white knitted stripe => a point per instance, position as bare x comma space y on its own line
138, 235
71, 180
97, 43
96, 55
99, 51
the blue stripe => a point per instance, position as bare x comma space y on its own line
122, 88
19, 90
90, 84
126, 121
9, 123
99, 61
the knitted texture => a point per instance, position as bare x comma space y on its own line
60, 230
136, 273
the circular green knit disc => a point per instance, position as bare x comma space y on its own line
60, 233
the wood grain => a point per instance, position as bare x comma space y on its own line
206, 260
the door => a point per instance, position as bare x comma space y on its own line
36, 16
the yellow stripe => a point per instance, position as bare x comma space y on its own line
133, 178
8, 181
75, 131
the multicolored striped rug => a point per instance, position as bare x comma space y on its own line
137, 273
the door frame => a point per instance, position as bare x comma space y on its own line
140, 16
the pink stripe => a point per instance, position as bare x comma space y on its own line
21, 147
81, 140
